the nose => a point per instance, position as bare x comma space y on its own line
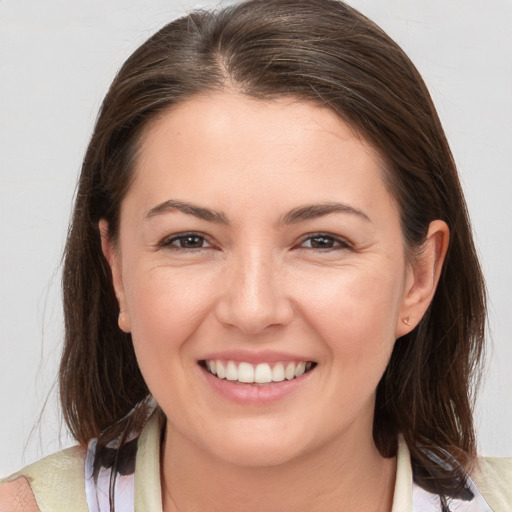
253, 297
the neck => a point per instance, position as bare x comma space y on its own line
345, 474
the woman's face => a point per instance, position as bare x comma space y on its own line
258, 241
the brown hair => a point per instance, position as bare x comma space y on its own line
316, 50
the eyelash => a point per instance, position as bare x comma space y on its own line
341, 242
336, 242
168, 242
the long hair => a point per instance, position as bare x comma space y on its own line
315, 50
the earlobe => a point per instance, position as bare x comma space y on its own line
112, 256
424, 272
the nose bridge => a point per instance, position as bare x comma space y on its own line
255, 273
254, 297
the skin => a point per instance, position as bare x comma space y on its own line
16, 496
255, 283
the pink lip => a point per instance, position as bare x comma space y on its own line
264, 356
254, 394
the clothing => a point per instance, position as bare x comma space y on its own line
64, 482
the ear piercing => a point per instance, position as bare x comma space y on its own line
406, 321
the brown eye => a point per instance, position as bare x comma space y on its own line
321, 241
187, 241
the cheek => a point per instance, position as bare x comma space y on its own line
355, 312
354, 295
166, 307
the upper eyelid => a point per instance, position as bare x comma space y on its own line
165, 241
337, 238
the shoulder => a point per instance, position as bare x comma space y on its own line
16, 496
493, 477
50, 484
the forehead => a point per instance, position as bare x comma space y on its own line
224, 146
230, 116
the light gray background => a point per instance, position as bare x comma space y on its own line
57, 59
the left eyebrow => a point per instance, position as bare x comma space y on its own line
313, 211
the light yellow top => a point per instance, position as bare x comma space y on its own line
57, 481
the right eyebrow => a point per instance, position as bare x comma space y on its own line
188, 208
313, 211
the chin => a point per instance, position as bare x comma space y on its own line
257, 444
254, 455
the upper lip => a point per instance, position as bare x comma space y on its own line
254, 357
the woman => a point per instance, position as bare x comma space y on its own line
271, 292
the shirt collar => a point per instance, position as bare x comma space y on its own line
410, 497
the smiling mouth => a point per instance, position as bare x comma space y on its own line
262, 373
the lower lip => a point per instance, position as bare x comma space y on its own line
254, 394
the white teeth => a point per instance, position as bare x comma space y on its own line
245, 372
300, 369
261, 373
221, 373
231, 371
289, 373
278, 373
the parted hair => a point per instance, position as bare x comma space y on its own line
325, 52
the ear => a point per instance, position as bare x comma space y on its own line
422, 277
113, 258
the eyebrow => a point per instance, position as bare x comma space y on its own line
190, 209
300, 214
313, 211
